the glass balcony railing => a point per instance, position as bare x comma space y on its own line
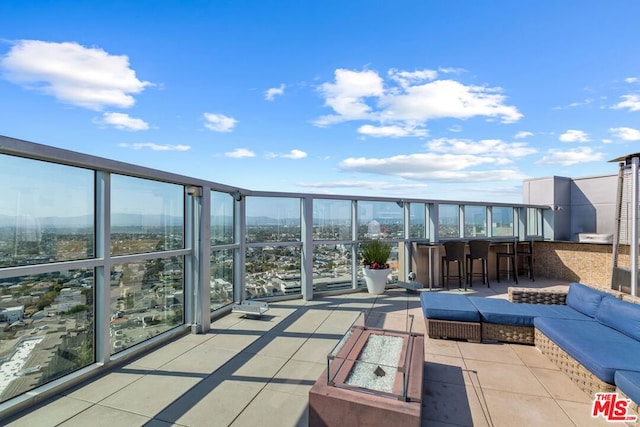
99, 259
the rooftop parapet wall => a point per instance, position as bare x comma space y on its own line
577, 262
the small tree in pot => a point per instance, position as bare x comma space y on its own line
375, 254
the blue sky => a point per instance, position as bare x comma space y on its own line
434, 99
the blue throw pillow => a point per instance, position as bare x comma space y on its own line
584, 299
620, 315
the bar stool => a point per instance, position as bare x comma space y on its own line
524, 251
478, 250
454, 252
512, 257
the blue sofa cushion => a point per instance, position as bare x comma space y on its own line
584, 299
503, 312
629, 383
441, 306
597, 347
620, 315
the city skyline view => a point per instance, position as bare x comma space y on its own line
437, 100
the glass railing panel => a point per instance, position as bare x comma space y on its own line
332, 267
448, 221
380, 220
47, 212
221, 278
146, 216
47, 328
534, 221
273, 219
475, 221
273, 271
502, 221
147, 299
221, 218
417, 221
331, 219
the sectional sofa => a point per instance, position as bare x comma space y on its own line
591, 335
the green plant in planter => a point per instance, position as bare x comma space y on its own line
375, 254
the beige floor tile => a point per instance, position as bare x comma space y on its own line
532, 357
51, 413
101, 416
167, 353
224, 322
256, 371
453, 404
265, 323
204, 359
276, 346
234, 340
308, 321
152, 393
512, 378
441, 347
560, 385
337, 323
215, 404
580, 413
498, 352
446, 369
296, 377
509, 409
275, 409
99, 388
315, 350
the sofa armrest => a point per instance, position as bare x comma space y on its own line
538, 296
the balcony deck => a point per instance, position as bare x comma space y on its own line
246, 372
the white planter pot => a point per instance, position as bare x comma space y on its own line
376, 279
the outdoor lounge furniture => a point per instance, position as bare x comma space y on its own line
478, 251
594, 338
628, 386
454, 252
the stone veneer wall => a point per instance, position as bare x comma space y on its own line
587, 263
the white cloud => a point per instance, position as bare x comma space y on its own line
407, 78
573, 135
408, 100
632, 102
631, 80
293, 154
391, 131
571, 157
219, 122
451, 70
347, 95
498, 150
271, 93
123, 121
430, 166
575, 104
240, 153
370, 185
449, 160
155, 147
626, 134
74, 74
523, 134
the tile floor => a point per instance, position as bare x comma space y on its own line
246, 372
